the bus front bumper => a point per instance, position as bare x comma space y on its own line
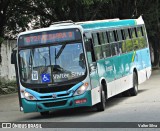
49, 105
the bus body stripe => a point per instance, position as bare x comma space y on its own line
133, 57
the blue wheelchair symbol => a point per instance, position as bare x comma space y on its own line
45, 78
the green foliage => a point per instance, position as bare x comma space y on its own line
129, 45
7, 87
14, 17
21, 15
1, 40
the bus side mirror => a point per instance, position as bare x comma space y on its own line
13, 57
81, 60
93, 66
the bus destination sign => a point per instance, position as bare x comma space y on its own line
47, 37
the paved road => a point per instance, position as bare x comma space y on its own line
142, 108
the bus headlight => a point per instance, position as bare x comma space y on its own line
28, 96
81, 89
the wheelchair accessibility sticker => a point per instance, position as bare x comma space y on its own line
45, 78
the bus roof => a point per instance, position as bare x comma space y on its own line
52, 27
99, 24
89, 25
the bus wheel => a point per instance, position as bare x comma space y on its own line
134, 91
126, 93
101, 106
45, 113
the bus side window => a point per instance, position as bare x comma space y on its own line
129, 32
133, 33
144, 30
115, 35
105, 35
129, 45
95, 39
139, 32
120, 42
144, 35
97, 46
106, 50
123, 35
142, 39
89, 50
119, 35
101, 37
134, 38
114, 47
111, 36
126, 34
106, 46
123, 42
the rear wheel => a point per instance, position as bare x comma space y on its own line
134, 91
101, 106
126, 93
45, 113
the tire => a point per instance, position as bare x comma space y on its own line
134, 91
45, 113
126, 93
101, 106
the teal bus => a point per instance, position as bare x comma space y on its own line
82, 64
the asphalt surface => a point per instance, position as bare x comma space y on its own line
145, 107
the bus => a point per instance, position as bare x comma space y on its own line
81, 64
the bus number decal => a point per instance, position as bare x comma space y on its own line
34, 75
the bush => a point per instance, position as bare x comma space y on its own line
8, 87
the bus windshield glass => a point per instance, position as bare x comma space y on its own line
52, 64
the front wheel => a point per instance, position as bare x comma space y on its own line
134, 91
101, 106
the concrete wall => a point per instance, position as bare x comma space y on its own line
7, 70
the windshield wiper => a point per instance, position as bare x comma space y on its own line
60, 51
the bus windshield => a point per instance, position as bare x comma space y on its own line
52, 64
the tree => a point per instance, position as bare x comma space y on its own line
20, 15
14, 17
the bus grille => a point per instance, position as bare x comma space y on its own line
52, 104
53, 89
50, 96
